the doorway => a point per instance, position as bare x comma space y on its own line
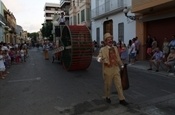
108, 27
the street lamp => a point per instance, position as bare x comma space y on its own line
126, 10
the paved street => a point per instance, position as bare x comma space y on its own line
39, 87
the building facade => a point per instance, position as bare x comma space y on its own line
25, 36
50, 10
40, 38
79, 12
157, 18
19, 31
65, 5
2, 22
10, 30
108, 16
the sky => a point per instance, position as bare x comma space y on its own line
29, 14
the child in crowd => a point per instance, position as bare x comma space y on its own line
23, 55
17, 55
12, 55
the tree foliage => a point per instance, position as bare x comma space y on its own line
46, 30
33, 36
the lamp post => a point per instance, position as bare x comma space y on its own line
126, 10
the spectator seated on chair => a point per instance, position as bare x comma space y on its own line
170, 62
156, 59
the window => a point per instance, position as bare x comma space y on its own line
98, 36
75, 20
71, 21
78, 18
121, 31
82, 16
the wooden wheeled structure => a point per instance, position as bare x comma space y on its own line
75, 47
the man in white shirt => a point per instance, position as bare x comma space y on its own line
61, 20
156, 59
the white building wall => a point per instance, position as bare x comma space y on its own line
129, 25
95, 25
55, 8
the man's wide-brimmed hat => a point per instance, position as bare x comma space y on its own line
107, 35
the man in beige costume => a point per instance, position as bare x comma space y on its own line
111, 63
46, 51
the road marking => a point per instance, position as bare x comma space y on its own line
62, 109
138, 93
166, 91
22, 80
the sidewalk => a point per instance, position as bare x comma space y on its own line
164, 105
144, 65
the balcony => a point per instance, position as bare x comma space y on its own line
64, 2
49, 18
107, 8
143, 6
50, 12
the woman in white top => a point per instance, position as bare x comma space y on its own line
165, 48
132, 53
23, 53
2, 66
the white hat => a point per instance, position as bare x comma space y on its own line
107, 35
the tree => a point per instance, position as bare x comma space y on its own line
34, 36
46, 30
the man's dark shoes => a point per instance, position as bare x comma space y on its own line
157, 70
150, 69
123, 102
108, 100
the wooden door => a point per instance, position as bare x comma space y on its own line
108, 27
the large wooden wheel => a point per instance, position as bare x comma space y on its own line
77, 42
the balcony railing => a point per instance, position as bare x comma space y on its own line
62, 2
107, 7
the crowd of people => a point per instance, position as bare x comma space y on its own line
157, 54
11, 54
161, 55
114, 56
128, 53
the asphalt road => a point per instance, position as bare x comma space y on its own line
39, 87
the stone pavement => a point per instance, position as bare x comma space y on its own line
144, 65
154, 107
